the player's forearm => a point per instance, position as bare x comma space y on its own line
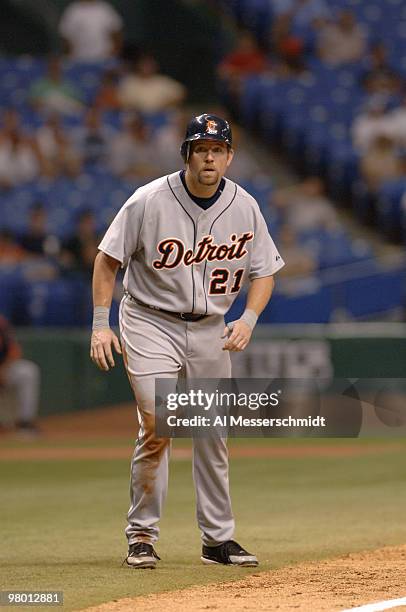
104, 277
259, 293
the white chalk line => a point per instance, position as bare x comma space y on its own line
380, 605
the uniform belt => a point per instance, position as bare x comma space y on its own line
185, 316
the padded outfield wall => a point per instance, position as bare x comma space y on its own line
72, 382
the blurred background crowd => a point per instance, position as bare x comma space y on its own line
315, 91
94, 99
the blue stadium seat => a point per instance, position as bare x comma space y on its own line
13, 295
374, 294
56, 303
388, 206
312, 306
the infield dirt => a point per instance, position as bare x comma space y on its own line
325, 586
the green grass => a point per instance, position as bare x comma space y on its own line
62, 522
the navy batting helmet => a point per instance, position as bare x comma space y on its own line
206, 127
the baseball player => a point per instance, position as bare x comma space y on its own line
189, 241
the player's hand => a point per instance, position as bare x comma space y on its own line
237, 337
100, 348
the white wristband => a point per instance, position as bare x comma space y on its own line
250, 317
101, 316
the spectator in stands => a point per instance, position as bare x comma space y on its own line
20, 159
244, 60
54, 93
380, 163
40, 247
145, 90
305, 207
58, 154
20, 376
107, 96
132, 153
93, 138
373, 122
79, 251
379, 76
37, 241
91, 30
342, 41
10, 251
300, 260
288, 48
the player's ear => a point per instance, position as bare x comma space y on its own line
230, 155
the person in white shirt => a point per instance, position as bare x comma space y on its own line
145, 90
132, 152
342, 41
305, 206
59, 156
20, 159
92, 30
372, 123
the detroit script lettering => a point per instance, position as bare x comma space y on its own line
173, 251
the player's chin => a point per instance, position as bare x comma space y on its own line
208, 177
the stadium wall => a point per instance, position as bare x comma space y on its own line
71, 382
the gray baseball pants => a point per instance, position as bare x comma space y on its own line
23, 377
159, 345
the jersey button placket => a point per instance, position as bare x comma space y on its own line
202, 230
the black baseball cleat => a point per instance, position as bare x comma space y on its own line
142, 555
228, 553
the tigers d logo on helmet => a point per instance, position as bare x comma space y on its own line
211, 126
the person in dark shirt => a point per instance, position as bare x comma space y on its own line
34, 239
378, 76
92, 139
80, 250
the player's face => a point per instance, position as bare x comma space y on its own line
208, 162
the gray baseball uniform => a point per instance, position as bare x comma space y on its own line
182, 258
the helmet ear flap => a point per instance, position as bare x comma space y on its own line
185, 151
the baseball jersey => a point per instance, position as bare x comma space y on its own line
182, 258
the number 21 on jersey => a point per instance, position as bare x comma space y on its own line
219, 279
